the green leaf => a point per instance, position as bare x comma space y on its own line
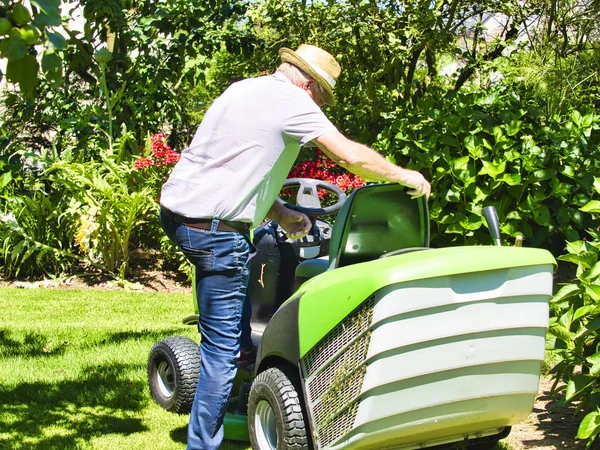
460, 164
542, 215
567, 291
597, 184
583, 311
512, 179
589, 426
471, 223
448, 140
48, 6
513, 127
594, 361
453, 194
577, 384
576, 117
561, 332
493, 170
594, 272
542, 175
455, 228
594, 325
13, 48
592, 206
586, 259
5, 178
473, 144
29, 76
49, 13
52, 67
567, 171
56, 41
593, 291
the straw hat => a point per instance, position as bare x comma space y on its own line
318, 64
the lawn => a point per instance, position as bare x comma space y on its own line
73, 369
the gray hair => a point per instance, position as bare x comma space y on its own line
293, 73
296, 75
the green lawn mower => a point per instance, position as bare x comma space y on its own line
369, 339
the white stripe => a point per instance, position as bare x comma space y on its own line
321, 72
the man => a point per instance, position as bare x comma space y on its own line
227, 182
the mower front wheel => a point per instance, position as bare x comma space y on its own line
276, 417
173, 369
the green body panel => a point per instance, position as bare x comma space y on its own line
236, 427
330, 297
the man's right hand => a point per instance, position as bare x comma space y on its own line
413, 179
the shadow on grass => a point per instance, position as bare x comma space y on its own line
179, 434
145, 335
32, 344
66, 414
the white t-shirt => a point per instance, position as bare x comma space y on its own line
243, 151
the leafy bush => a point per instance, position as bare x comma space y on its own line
482, 148
109, 209
37, 237
574, 329
151, 171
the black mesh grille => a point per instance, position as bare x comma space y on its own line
343, 422
334, 371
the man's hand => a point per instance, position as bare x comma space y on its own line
413, 179
295, 224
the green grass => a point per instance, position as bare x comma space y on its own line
73, 369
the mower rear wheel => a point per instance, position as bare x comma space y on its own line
173, 369
276, 417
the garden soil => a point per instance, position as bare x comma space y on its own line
550, 426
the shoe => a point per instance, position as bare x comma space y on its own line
247, 358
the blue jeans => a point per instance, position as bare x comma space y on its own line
222, 274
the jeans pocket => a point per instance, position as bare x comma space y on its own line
202, 259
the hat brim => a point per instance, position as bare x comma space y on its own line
290, 56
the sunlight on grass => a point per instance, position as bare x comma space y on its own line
73, 369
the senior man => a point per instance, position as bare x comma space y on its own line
227, 182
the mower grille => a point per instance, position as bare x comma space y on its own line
334, 371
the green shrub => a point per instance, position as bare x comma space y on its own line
573, 333
484, 148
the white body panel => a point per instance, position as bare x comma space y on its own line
450, 358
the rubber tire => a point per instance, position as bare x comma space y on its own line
278, 386
182, 358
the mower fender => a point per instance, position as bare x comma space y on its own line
280, 338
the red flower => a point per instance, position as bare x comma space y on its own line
323, 168
161, 154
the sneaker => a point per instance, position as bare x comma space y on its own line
247, 358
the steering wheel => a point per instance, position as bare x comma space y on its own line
307, 198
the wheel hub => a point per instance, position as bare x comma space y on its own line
165, 379
266, 428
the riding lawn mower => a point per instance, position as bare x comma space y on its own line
370, 339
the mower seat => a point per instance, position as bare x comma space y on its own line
375, 220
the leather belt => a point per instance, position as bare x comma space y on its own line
206, 224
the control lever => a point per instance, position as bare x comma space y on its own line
491, 218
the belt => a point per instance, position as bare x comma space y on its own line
206, 224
